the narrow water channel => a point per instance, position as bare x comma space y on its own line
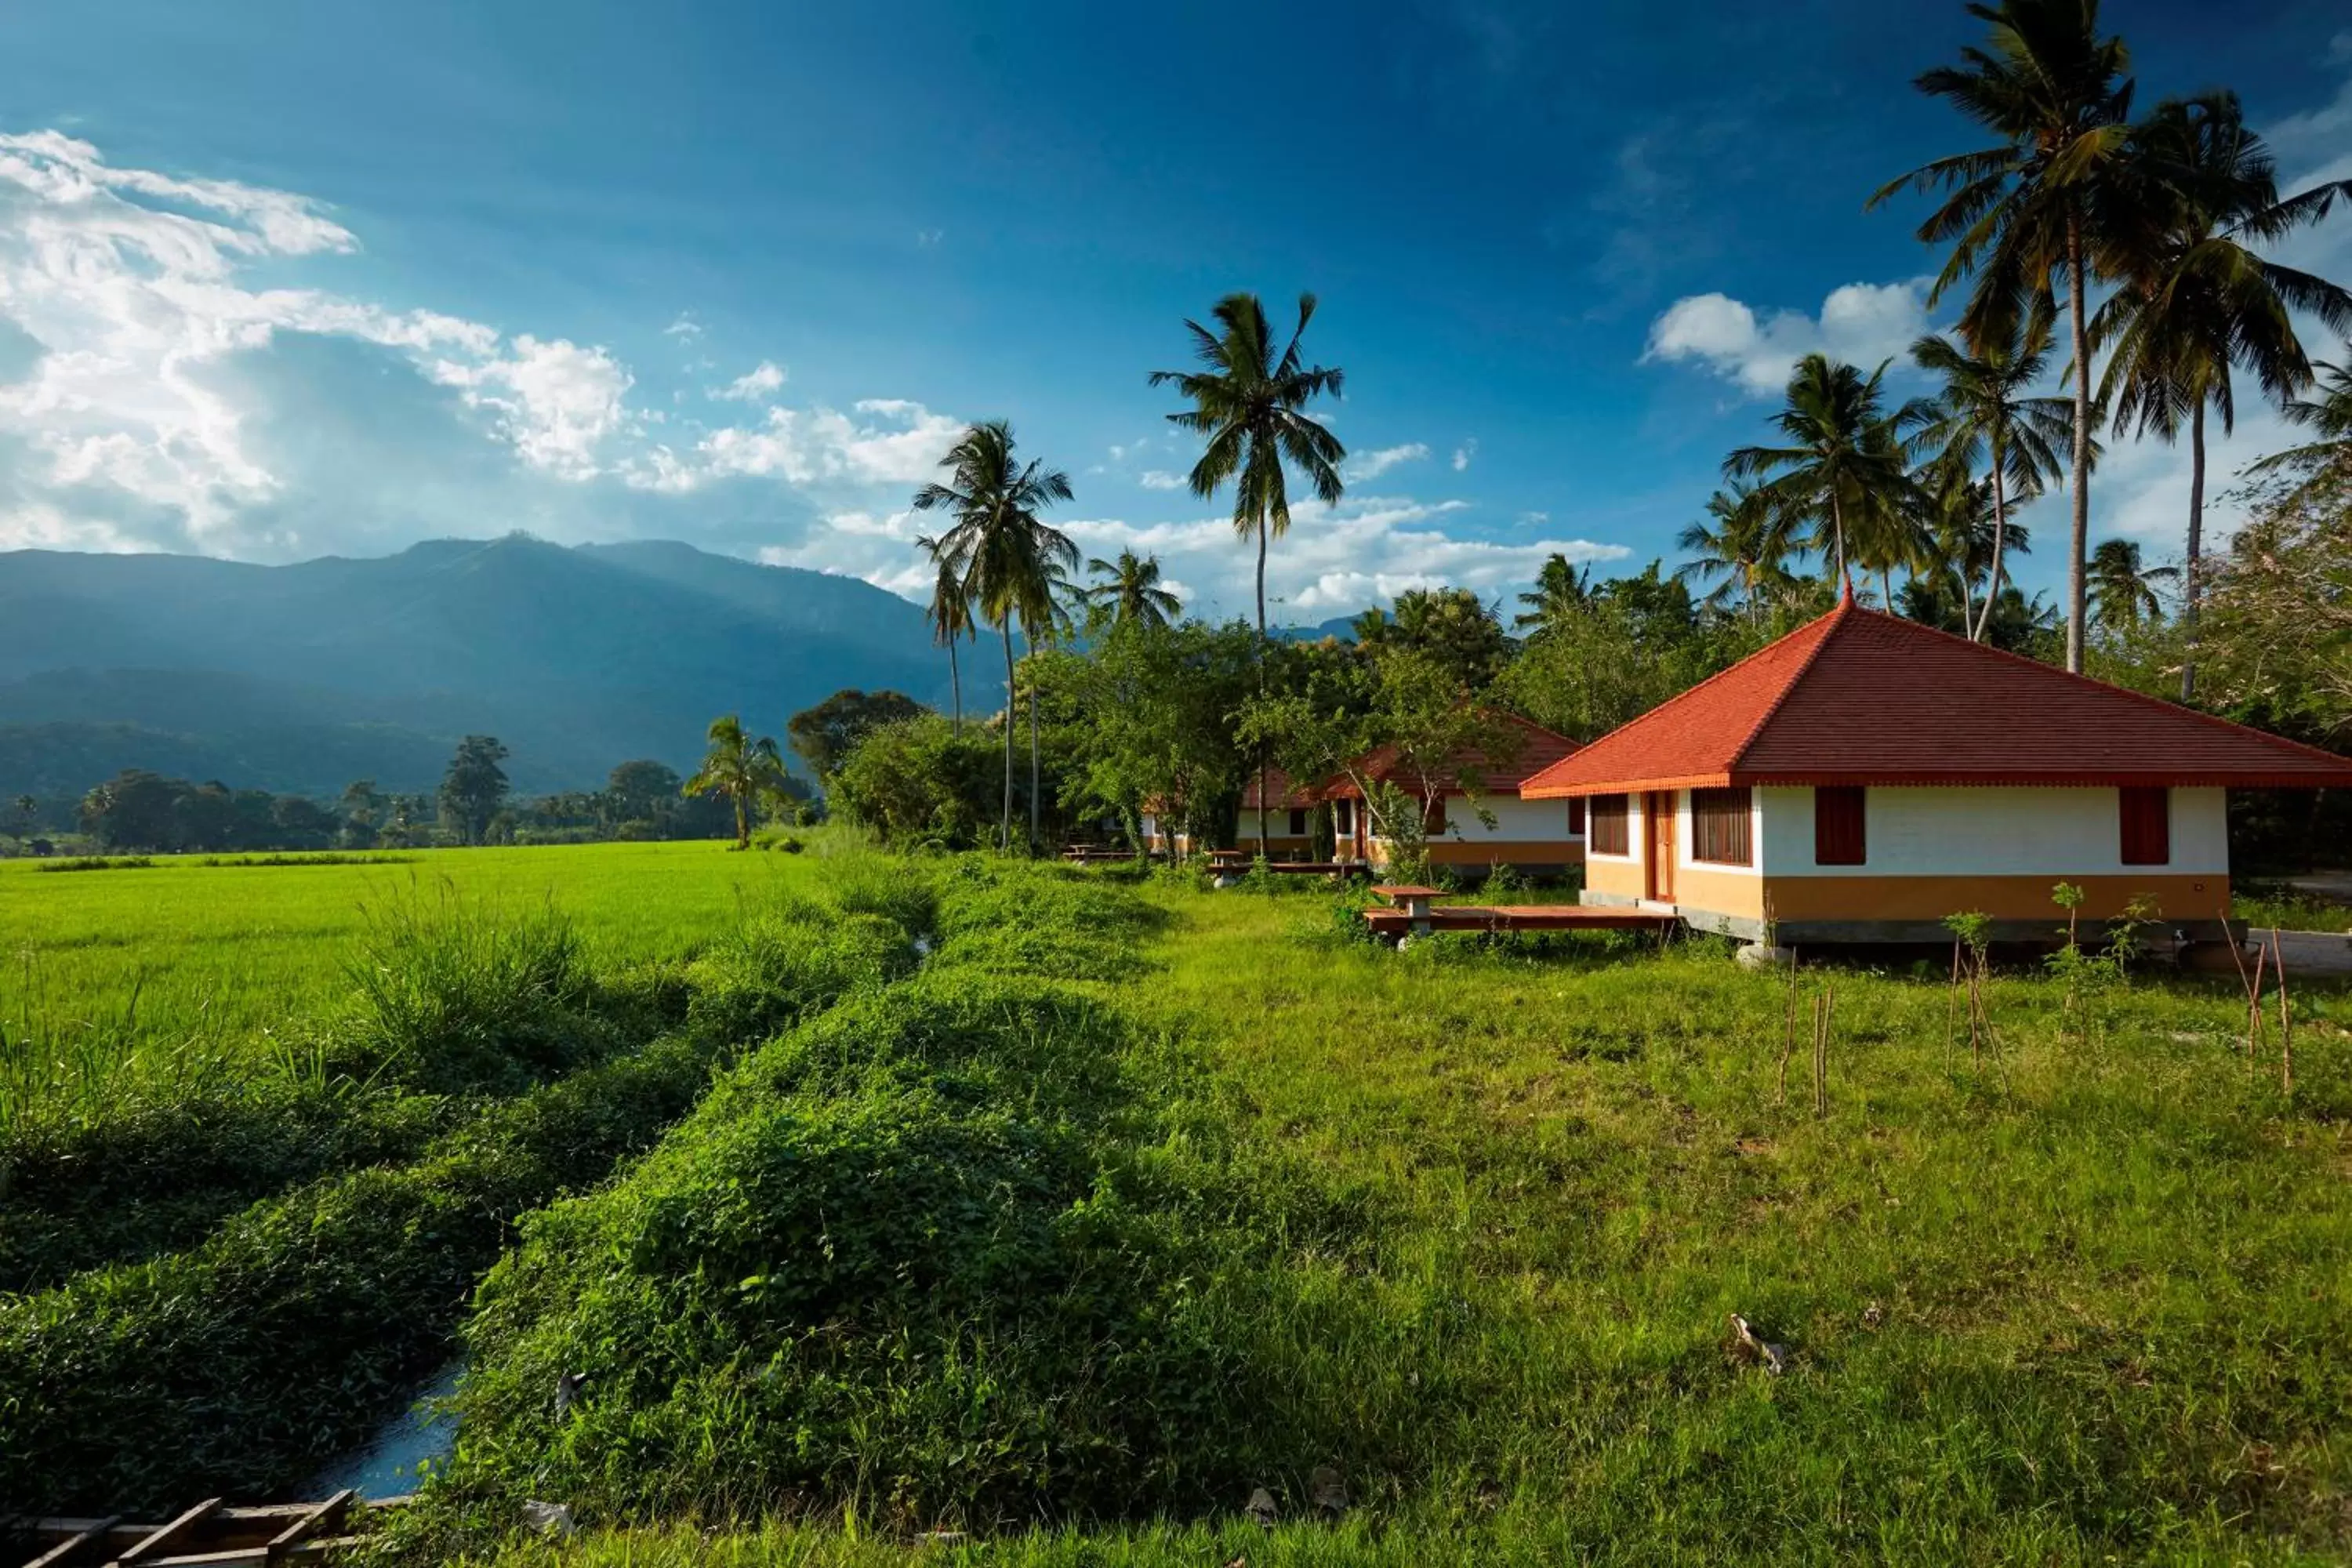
391, 1463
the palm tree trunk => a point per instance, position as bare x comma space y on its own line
2189, 584
742, 820
1837, 534
1004, 829
1886, 588
2077, 569
1032, 638
955, 686
2000, 538
1261, 680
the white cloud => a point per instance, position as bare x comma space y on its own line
153, 394
555, 401
755, 385
1371, 465
1859, 323
1160, 479
895, 442
1464, 453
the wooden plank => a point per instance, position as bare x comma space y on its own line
326, 1514
92, 1530
153, 1546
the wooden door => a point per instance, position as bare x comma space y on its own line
1658, 828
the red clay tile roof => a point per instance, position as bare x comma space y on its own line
1538, 749
1279, 794
1860, 697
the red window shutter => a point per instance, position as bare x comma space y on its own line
2147, 826
1719, 819
1576, 818
1607, 824
1838, 838
1432, 823
1298, 823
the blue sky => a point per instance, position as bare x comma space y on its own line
291, 278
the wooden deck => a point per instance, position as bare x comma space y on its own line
1515, 917
206, 1534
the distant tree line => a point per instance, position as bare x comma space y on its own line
140, 810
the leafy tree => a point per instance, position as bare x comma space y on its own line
916, 781
133, 810
1129, 592
1967, 539
825, 733
950, 613
2200, 298
27, 809
474, 788
1987, 414
2278, 627
2123, 592
1450, 626
1844, 466
744, 768
643, 790
2039, 208
2329, 413
1008, 560
1748, 546
1156, 709
1560, 591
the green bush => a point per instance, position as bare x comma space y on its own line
302, 1322
942, 1251
1047, 920
449, 998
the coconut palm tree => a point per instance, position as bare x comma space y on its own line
1967, 539
1008, 560
2200, 300
1129, 592
2330, 413
1845, 466
1987, 415
1250, 403
950, 613
2038, 209
1561, 592
1748, 546
744, 767
2123, 592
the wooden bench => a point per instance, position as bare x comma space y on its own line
1410, 913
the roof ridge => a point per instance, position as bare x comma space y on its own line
1837, 618
2144, 698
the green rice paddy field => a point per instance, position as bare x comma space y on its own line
766, 1237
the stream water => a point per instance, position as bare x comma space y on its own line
391, 1462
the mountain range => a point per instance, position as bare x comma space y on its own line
302, 677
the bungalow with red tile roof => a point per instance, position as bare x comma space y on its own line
1289, 817
1540, 837
1866, 776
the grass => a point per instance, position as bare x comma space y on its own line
2289, 908
1140, 1197
171, 974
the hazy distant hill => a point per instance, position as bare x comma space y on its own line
305, 677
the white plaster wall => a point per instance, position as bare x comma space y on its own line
1990, 832
1516, 820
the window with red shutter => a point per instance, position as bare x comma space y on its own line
2147, 826
1298, 823
1576, 818
1719, 819
1838, 838
1605, 825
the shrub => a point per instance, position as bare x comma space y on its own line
306, 1320
928, 1252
